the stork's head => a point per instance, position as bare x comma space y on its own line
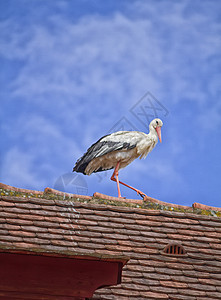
156, 125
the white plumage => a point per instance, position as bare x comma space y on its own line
119, 149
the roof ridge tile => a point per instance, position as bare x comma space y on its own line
148, 203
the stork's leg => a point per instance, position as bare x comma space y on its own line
136, 190
118, 181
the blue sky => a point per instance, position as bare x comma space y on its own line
72, 71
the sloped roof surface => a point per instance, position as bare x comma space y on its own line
38, 224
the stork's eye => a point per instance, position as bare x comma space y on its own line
157, 122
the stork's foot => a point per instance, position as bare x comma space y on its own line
141, 194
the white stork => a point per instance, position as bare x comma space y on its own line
117, 150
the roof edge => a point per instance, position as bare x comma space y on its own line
205, 207
146, 203
68, 254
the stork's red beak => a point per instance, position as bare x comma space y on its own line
158, 130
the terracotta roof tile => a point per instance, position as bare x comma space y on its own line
154, 295
89, 226
192, 292
183, 297
213, 295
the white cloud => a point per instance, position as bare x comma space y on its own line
44, 154
117, 57
210, 117
114, 57
19, 169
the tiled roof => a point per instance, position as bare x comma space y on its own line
43, 222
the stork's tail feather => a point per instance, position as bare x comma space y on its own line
80, 166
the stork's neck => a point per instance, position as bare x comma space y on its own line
153, 134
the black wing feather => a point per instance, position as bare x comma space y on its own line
96, 151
